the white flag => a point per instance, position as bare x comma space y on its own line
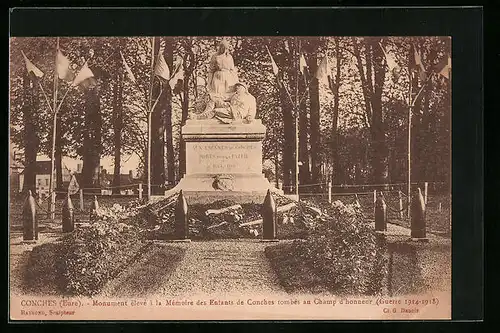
30, 67
84, 74
177, 75
389, 59
273, 63
63, 67
302, 64
161, 68
323, 71
127, 68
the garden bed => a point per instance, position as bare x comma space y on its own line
342, 255
83, 261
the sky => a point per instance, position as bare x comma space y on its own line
128, 162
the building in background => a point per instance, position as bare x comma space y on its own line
128, 184
16, 167
42, 178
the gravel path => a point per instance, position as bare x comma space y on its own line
223, 268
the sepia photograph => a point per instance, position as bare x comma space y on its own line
230, 177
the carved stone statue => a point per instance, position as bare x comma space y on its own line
226, 99
241, 107
222, 73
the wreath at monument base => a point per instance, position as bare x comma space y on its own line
223, 182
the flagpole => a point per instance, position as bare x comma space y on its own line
297, 120
46, 97
52, 205
409, 143
149, 116
69, 88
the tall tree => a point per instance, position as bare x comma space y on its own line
58, 154
304, 155
372, 73
118, 115
157, 133
313, 46
189, 62
169, 142
334, 86
92, 139
30, 134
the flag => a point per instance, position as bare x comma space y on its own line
73, 186
419, 64
323, 71
389, 59
273, 63
84, 74
127, 68
444, 67
161, 67
178, 74
30, 67
391, 63
62, 66
302, 64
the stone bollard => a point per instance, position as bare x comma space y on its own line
418, 231
380, 214
93, 208
181, 218
68, 217
269, 218
30, 223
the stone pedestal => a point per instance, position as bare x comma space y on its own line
224, 161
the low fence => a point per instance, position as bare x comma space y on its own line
436, 199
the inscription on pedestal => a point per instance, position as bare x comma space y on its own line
223, 157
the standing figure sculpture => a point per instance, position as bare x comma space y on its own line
222, 73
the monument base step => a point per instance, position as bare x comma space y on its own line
204, 197
240, 188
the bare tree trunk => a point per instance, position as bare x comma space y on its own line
315, 120
372, 85
188, 71
30, 137
169, 58
288, 142
58, 155
157, 137
424, 134
92, 140
305, 171
118, 123
335, 136
380, 162
182, 144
